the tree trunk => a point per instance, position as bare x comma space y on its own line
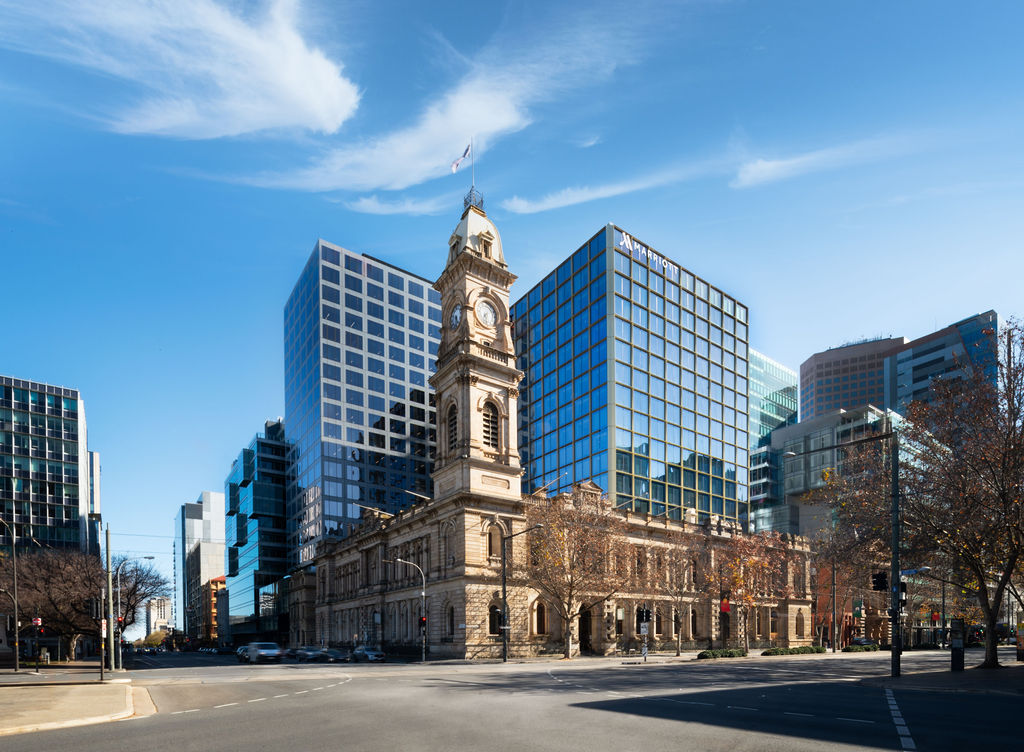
679, 639
746, 629
567, 631
991, 612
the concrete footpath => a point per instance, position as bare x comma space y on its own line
72, 695
68, 694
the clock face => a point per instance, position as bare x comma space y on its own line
456, 316
486, 313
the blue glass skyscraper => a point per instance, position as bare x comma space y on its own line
636, 377
361, 339
255, 529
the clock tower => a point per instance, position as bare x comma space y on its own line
476, 378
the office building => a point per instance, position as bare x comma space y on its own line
893, 372
803, 452
49, 480
198, 556
361, 339
845, 377
773, 405
636, 378
947, 353
158, 615
255, 530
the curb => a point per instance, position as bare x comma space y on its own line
68, 683
128, 712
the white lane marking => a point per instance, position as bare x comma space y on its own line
740, 707
906, 740
317, 689
193, 710
302, 691
803, 715
853, 720
225, 705
277, 696
258, 699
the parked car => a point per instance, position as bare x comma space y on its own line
243, 654
264, 652
330, 655
304, 653
862, 641
366, 653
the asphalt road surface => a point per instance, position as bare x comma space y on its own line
791, 704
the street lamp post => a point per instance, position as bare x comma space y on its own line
120, 662
423, 606
14, 595
504, 590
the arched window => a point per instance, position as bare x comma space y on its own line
494, 620
657, 622
494, 542
490, 426
542, 619
453, 428
693, 623
451, 621
800, 623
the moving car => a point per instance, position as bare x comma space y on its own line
330, 655
366, 653
243, 654
306, 652
264, 652
862, 641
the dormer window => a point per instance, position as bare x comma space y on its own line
455, 247
485, 248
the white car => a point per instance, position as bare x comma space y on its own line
264, 652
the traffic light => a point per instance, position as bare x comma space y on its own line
423, 624
880, 581
903, 594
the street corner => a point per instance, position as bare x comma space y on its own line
31, 708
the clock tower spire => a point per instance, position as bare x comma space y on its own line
476, 378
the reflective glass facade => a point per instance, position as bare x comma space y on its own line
773, 405
361, 339
636, 377
47, 483
255, 528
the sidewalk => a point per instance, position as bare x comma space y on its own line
62, 695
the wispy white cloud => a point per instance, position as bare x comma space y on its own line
588, 141
205, 69
494, 98
760, 171
375, 205
582, 194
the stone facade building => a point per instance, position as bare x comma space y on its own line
442, 557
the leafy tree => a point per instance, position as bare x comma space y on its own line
963, 489
755, 568
579, 556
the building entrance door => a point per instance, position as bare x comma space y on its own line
585, 643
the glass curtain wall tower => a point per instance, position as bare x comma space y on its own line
361, 339
255, 530
636, 377
49, 481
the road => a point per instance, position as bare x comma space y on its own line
792, 704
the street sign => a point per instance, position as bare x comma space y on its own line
37, 622
643, 651
103, 629
644, 628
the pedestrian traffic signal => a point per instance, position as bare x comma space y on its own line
880, 581
903, 594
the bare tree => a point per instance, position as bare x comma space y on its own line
755, 569
579, 554
56, 585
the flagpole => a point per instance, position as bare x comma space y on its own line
472, 161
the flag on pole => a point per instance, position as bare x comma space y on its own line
465, 154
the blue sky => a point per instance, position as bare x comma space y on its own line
847, 170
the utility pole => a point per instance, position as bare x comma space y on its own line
110, 602
896, 639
